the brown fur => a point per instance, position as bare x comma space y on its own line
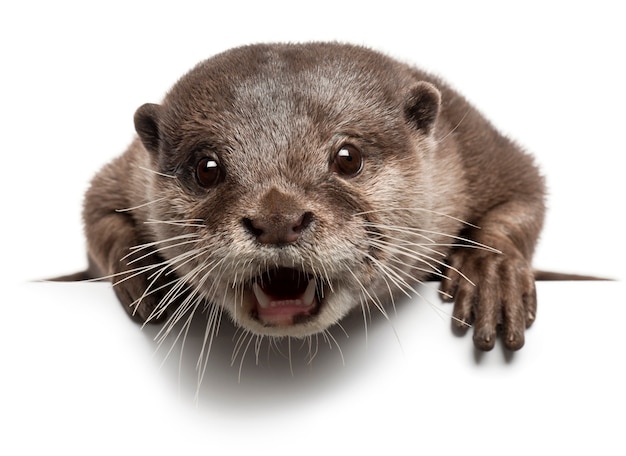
272, 117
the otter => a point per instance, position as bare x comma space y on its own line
290, 184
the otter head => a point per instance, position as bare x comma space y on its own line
284, 174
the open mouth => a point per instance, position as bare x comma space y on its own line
285, 297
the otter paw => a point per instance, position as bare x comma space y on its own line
494, 293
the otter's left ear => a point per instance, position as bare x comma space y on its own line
422, 106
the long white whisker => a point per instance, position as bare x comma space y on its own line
257, 347
466, 242
389, 247
169, 176
289, 349
416, 256
160, 339
439, 140
415, 209
312, 353
241, 335
373, 299
211, 331
139, 206
243, 356
135, 272
389, 272
366, 311
189, 223
162, 249
149, 245
330, 337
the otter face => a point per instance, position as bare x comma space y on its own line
282, 177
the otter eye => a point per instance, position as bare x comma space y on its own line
208, 172
348, 161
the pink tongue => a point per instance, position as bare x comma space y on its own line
282, 313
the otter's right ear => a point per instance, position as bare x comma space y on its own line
147, 125
422, 106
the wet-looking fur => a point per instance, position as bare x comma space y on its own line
288, 185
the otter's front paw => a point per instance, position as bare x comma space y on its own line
493, 293
145, 289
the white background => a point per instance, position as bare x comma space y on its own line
78, 377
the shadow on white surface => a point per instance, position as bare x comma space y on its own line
80, 369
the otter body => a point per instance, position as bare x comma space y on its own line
288, 185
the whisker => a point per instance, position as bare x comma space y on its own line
329, 336
432, 270
178, 282
415, 209
420, 231
212, 328
392, 248
439, 140
243, 356
177, 291
160, 339
131, 273
404, 230
190, 303
169, 176
388, 272
312, 353
417, 256
183, 259
365, 309
289, 350
137, 248
241, 335
139, 206
160, 249
257, 347
187, 223
373, 299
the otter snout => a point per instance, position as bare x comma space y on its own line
280, 219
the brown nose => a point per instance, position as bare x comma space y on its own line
278, 228
279, 219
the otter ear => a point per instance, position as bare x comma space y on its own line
422, 106
147, 125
